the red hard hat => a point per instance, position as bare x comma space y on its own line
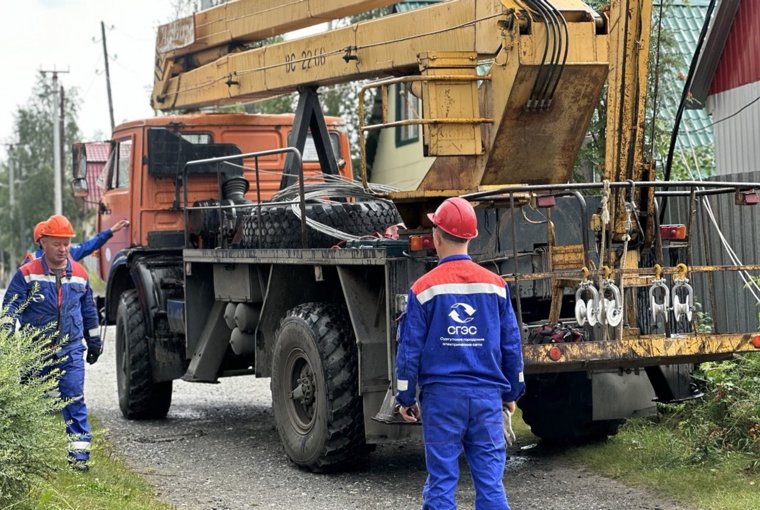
38, 229
58, 226
456, 217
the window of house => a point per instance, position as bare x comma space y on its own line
407, 107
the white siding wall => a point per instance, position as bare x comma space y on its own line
737, 139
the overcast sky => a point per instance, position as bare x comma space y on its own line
65, 35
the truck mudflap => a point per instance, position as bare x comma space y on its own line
635, 352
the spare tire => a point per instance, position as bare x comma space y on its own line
278, 226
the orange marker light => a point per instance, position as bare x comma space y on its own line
555, 353
673, 232
421, 243
756, 341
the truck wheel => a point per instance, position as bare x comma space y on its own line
139, 397
315, 394
280, 228
558, 409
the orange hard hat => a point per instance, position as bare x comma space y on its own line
38, 229
58, 226
456, 217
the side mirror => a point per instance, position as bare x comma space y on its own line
79, 187
79, 161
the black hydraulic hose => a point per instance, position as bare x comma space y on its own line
555, 40
682, 104
564, 57
541, 14
554, 55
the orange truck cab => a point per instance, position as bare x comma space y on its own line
140, 180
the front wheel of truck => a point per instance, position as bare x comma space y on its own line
140, 398
315, 393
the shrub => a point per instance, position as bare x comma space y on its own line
727, 419
32, 438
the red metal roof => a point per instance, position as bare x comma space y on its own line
97, 151
740, 62
97, 155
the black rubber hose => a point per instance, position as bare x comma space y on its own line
539, 75
682, 104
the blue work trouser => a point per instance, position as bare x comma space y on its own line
71, 389
453, 419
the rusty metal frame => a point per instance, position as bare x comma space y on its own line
690, 189
635, 352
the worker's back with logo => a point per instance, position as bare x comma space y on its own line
459, 308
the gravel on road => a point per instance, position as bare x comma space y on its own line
218, 449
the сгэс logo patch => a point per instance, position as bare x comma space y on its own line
462, 313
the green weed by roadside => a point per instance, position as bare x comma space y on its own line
32, 438
109, 484
704, 452
655, 456
726, 420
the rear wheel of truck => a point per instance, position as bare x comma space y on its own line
315, 393
558, 409
140, 398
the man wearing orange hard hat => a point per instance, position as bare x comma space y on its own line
76, 251
55, 290
458, 341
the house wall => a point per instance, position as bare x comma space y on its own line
734, 100
740, 62
402, 166
736, 124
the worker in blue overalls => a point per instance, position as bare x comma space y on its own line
56, 290
460, 343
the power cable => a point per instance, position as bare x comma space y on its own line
749, 282
737, 112
682, 104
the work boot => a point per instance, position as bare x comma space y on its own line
79, 465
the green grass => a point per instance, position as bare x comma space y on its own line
109, 484
643, 454
652, 456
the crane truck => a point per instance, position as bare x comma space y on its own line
252, 250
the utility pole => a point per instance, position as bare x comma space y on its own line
57, 190
57, 118
11, 176
59, 147
12, 196
108, 74
12, 181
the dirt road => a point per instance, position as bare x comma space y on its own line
218, 449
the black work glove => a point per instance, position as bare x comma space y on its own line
93, 353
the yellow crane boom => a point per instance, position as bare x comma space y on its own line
539, 77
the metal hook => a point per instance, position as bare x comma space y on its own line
683, 308
587, 311
612, 308
663, 307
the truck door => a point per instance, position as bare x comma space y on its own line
115, 204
